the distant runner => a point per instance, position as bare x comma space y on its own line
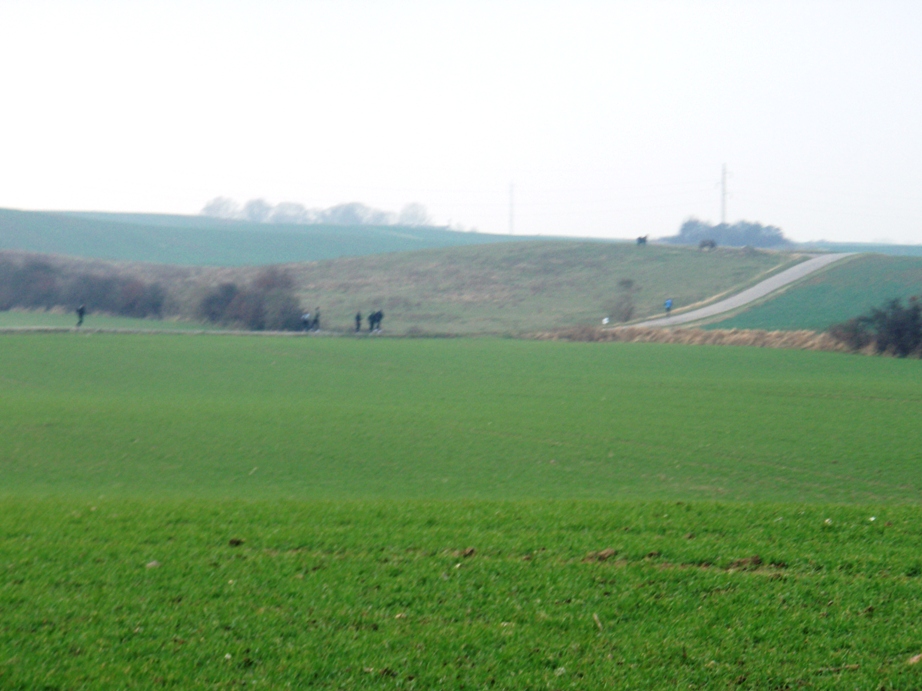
80, 312
668, 306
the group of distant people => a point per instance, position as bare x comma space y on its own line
374, 321
311, 322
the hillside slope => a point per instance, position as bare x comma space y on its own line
503, 288
202, 241
525, 286
834, 295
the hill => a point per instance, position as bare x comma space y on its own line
862, 248
203, 241
842, 291
527, 286
506, 288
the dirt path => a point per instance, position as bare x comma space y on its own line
759, 290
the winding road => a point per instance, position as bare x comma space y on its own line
759, 290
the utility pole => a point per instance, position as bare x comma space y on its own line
511, 209
723, 195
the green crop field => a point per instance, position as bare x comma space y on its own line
345, 418
841, 292
196, 240
198, 511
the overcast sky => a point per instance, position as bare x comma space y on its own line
611, 119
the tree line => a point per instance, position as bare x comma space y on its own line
740, 234
268, 302
37, 284
349, 214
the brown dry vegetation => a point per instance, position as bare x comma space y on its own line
796, 340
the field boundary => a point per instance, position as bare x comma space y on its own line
789, 340
792, 340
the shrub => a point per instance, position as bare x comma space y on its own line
898, 329
854, 333
893, 328
213, 306
268, 303
40, 285
621, 308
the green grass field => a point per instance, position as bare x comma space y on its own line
840, 293
200, 241
559, 595
19, 319
167, 416
198, 511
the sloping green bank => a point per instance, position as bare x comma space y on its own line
195, 240
840, 293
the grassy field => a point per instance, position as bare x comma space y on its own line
843, 291
550, 595
863, 248
210, 511
308, 418
523, 286
14, 319
504, 288
199, 241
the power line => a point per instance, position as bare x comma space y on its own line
511, 209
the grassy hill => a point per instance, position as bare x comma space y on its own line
506, 288
524, 286
843, 291
201, 241
863, 248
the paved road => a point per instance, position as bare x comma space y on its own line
759, 290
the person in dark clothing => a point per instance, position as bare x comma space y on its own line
358, 322
81, 310
317, 319
379, 320
371, 322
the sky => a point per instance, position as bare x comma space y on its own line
585, 118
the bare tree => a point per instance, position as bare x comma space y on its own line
221, 207
290, 212
414, 215
257, 210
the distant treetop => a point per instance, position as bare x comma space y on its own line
740, 234
350, 214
